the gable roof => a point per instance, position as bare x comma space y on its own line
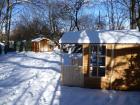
116, 36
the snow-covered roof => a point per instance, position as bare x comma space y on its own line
38, 39
2, 44
116, 36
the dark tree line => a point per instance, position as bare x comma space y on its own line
50, 17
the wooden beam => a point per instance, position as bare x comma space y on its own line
86, 56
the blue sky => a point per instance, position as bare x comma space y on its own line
92, 10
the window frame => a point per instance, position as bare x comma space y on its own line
98, 56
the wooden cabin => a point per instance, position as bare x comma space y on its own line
108, 60
42, 45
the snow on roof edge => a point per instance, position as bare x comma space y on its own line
116, 36
2, 44
38, 39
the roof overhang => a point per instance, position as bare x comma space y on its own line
101, 37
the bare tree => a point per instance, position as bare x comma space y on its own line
133, 14
133, 6
86, 22
138, 17
1, 16
6, 8
117, 14
72, 9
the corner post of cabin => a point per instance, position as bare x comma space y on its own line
61, 63
86, 56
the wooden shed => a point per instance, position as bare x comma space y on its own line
42, 44
108, 60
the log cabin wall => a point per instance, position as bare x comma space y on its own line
37, 46
42, 46
46, 46
126, 68
122, 69
33, 46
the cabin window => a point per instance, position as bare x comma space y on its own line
72, 48
97, 60
72, 54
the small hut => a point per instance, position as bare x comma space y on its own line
42, 44
105, 59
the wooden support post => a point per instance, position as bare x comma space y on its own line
86, 56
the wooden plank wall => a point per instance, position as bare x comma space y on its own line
41, 46
126, 68
122, 69
86, 56
72, 75
44, 45
33, 46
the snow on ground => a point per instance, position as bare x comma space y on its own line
30, 78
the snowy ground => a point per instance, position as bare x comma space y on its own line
34, 79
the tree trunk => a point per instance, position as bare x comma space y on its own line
112, 16
133, 14
71, 23
76, 20
9, 24
7, 21
1, 8
138, 19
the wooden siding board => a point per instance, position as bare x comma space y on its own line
72, 76
122, 69
86, 56
126, 74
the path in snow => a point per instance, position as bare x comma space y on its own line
34, 79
